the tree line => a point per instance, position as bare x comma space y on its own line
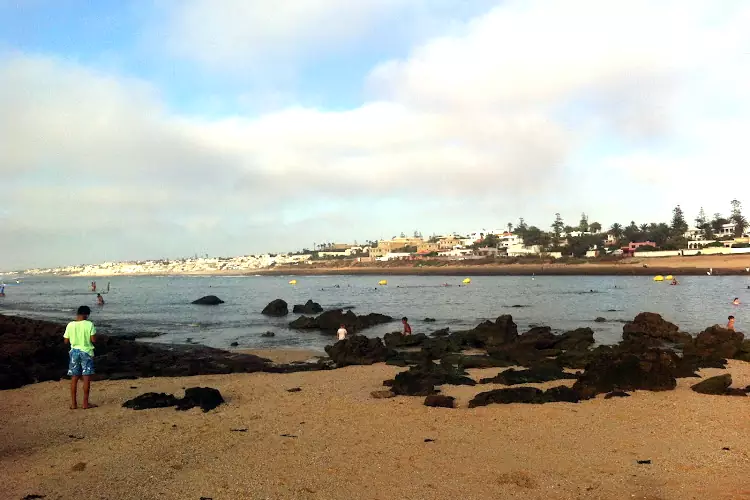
577, 240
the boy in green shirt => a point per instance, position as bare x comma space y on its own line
81, 335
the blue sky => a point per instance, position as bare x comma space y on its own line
165, 128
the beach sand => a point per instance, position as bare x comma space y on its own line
342, 444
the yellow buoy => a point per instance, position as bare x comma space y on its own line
467, 281
670, 277
383, 282
659, 278
293, 282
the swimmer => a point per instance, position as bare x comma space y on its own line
730, 324
736, 301
99, 299
674, 281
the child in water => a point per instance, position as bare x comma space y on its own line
99, 299
730, 324
736, 301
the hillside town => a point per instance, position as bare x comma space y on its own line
586, 240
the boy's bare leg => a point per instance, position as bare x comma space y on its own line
74, 392
86, 388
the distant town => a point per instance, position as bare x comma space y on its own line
586, 240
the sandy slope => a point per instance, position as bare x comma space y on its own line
349, 446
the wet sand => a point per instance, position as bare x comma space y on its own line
283, 356
342, 444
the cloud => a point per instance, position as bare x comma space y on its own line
241, 34
531, 108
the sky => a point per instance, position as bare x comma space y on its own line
167, 128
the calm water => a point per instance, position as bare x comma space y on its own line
162, 304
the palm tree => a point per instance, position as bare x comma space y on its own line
616, 231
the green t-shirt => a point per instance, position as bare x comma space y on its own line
79, 333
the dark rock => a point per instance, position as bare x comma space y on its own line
429, 440
309, 307
421, 380
439, 401
151, 400
79, 467
714, 385
610, 370
244, 429
644, 462
357, 350
276, 308
502, 331
234, 344
208, 300
600, 320
532, 375
398, 339
36, 497
718, 342
474, 361
382, 394
288, 436
616, 394
207, 398
529, 395
651, 328
268, 334
429, 320
330, 321
445, 331
540, 337
579, 339
518, 306
294, 389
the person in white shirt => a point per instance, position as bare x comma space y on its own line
342, 333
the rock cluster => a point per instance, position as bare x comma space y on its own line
206, 398
330, 321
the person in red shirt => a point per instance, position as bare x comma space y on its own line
407, 328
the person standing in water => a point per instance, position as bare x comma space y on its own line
342, 333
736, 301
99, 299
81, 336
93, 286
730, 324
407, 328
2, 290
107, 286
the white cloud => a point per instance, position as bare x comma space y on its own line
515, 114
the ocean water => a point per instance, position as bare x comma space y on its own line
161, 305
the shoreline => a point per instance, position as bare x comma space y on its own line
721, 265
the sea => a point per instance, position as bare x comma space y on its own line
160, 308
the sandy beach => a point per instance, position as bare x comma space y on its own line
332, 440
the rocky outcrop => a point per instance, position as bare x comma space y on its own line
207, 398
528, 395
398, 339
651, 370
276, 308
488, 334
532, 375
150, 400
33, 351
308, 307
440, 401
714, 385
717, 342
652, 329
330, 321
208, 300
421, 380
357, 350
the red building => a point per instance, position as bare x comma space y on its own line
634, 246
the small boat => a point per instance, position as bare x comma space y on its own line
383, 282
659, 278
293, 282
466, 281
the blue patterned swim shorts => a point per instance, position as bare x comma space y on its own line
81, 363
